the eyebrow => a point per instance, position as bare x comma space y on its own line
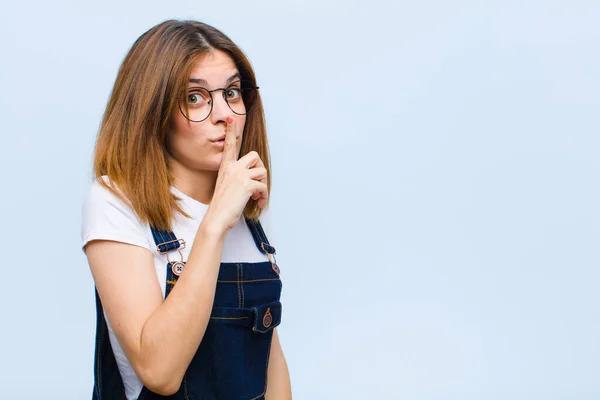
205, 83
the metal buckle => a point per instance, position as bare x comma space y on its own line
271, 257
181, 246
262, 246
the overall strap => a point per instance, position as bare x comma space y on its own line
108, 383
260, 238
166, 241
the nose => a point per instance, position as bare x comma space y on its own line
221, 109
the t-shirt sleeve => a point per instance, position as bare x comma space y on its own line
106, 217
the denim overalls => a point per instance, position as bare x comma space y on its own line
232, 359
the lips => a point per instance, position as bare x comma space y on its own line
220, 139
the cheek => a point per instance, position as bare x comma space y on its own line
182, 140
186, 134
180, 125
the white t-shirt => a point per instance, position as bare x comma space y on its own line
106, 217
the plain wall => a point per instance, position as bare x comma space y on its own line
435, 190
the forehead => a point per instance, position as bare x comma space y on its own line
214, 68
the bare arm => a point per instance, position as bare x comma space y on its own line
278, 378
159, 338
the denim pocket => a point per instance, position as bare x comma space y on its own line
232, 360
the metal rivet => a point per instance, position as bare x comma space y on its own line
267, 319
276, 268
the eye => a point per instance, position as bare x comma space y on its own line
198, 97
233, 94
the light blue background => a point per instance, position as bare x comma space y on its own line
435, 193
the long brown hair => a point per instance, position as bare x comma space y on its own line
131, 143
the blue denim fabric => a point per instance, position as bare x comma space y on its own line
232, 359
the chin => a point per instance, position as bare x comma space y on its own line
213, 164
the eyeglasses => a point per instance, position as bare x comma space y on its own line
240, 96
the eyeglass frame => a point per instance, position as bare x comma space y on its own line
212, 100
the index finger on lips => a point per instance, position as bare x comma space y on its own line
230, 146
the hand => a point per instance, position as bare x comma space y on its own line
237, 182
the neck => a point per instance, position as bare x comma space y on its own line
199, 185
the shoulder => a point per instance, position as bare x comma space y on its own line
108, 215
99, 193
102, 201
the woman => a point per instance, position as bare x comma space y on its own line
187, 287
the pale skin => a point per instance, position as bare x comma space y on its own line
124, 274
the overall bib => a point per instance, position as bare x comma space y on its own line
232, 359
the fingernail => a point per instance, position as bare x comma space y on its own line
229, 120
